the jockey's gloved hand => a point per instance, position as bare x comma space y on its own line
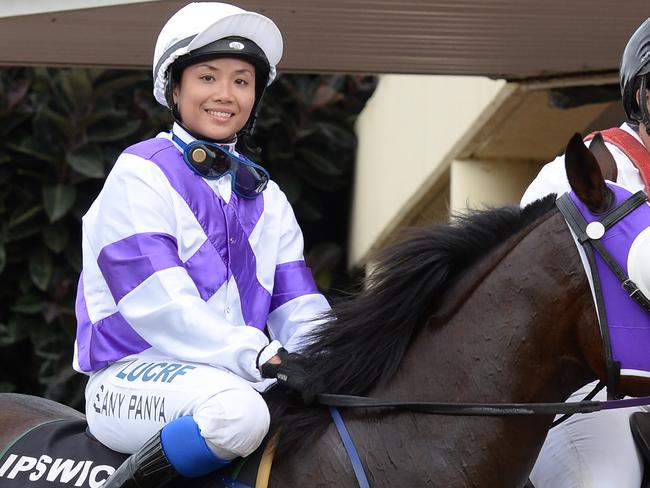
291, 372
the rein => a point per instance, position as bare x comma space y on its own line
480, 409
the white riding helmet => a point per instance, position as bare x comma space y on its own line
198, 26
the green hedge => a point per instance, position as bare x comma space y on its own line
60, 132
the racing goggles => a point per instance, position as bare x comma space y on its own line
212, 162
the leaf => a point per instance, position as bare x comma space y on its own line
55, 237
88, 161
22, 216
28, 304
60, 123
23, 230
17, 92
73, 255
40, 268
76, 87
307, 212
115, 132
28, 147
320, 164
10, 120
58, 200
108, 88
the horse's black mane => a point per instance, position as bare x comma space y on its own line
365, 337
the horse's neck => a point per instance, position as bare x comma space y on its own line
513, 340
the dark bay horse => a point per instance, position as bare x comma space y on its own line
494, 307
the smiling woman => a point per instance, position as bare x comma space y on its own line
200, 270
215, 97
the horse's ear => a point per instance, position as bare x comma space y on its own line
585, 176
604, 157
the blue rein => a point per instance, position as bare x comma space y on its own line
349, 447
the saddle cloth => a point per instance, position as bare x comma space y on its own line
61, 453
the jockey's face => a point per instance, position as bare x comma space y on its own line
215, 97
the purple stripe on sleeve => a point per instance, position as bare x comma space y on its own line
106, 341
128, 262
292, 280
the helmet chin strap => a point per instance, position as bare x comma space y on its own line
643, 103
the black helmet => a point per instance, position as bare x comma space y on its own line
634, 65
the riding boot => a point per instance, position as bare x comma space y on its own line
147, 468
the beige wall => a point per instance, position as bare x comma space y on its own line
431, 144
408, 134
477, 184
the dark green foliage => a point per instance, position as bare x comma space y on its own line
60, 132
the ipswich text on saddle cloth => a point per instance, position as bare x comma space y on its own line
30, 470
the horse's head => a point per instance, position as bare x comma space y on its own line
625, 326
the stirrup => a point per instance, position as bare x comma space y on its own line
147, 468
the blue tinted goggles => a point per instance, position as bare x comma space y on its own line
211, 161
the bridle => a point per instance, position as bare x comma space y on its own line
588, 235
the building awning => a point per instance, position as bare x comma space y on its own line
510, 39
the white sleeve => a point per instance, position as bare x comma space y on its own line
135, 235
551, 179
296, 303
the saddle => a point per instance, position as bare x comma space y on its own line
62, 453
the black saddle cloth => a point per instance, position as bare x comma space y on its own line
61, 454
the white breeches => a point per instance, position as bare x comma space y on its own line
129, 401
594, 450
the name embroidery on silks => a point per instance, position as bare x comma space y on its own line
155, 372
131, 407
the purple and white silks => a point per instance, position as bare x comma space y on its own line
271, 286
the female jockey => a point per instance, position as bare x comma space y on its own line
597, 450
192, 260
